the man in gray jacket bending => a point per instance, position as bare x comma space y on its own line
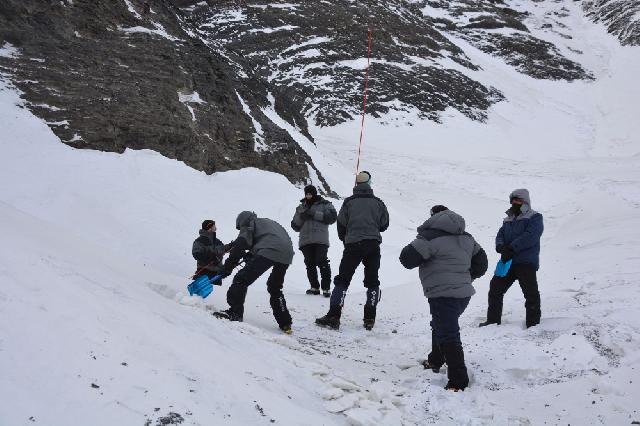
449, 260
270, 247
361, 219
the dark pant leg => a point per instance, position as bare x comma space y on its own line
497, 289
322, 261
275, 282
309, 252
445, 312
371, 262
351, 258
447, 333
529, 284
237, 292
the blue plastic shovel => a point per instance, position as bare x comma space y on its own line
502, 268
202, 286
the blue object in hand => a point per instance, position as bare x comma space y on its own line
502, 268
202, 286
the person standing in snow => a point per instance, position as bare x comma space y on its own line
449, 259
270, 247
312, 219
362, 218
208, 251
518, 240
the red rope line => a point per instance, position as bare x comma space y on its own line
364, 103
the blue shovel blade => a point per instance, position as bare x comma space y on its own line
198, 285
502, 268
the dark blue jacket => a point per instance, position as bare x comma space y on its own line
522, 233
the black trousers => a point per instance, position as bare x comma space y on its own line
315, 257
257, 266
366, 252
526, 276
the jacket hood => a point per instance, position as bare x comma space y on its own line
245, 218
209, 234
524, 194
521, 193
362, 188
447, 221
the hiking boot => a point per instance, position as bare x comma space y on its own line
326, 293
368, 323
487, 322
286, 329
430, 366
313, 291
453, 388
329, 321
229, 315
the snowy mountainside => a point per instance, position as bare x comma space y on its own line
96, 255
200, 81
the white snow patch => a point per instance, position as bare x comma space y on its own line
132, 9
7, 50
258, 136
273, 30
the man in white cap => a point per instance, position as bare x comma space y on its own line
361, 219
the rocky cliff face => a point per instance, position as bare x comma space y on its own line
622, 18
211, 82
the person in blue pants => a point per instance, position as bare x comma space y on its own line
449, 259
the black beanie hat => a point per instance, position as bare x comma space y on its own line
310, 189
208, 224
438, 208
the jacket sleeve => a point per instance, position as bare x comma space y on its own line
202, 252
500, 238
342, 222
479, 262
297, 221
415, 253
384, 218
531, 235
239, 247
326, 215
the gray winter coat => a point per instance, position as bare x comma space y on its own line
362, 216
208, 251
314, 229
449, 258
264, 237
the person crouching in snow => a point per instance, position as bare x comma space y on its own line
208, 251
449, 260
312, 219
271, 248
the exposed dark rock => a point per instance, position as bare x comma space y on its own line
622, 18
108, 78
201, 81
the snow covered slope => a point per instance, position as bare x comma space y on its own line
95, 327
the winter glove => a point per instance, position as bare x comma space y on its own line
228, 247
499, 248
506, 254
306, 215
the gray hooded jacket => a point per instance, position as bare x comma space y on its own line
265, 237
362, 216
314, 229
448, 257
